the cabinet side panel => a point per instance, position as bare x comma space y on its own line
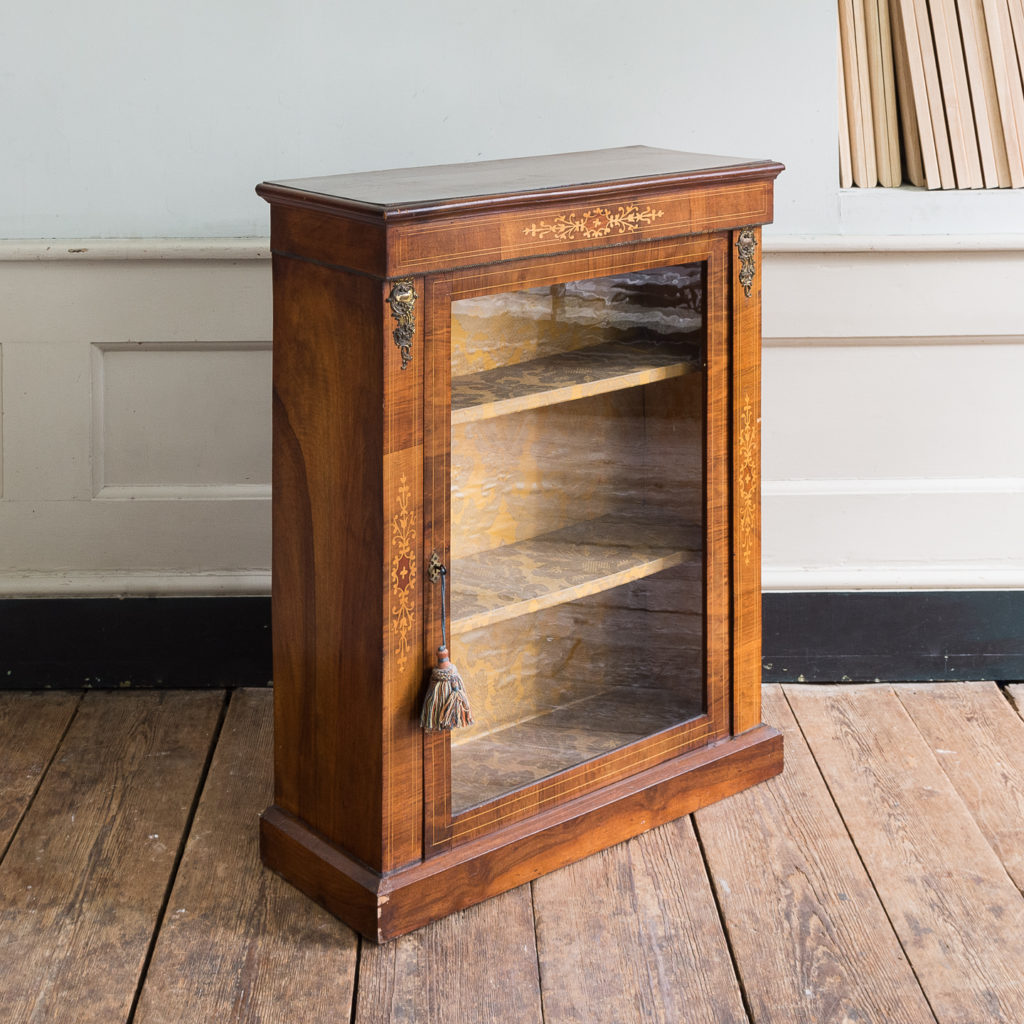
328, 237
746, 526
328, 548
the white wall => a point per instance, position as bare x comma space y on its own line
891, 437
139, 118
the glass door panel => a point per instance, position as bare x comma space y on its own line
577, 522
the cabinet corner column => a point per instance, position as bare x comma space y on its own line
403, 572
746, 487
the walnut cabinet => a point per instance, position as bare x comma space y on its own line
531, 387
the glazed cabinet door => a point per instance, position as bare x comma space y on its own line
576, 490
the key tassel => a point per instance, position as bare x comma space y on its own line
446, 705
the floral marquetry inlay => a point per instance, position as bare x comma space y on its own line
747, 479
598, 222
403, 572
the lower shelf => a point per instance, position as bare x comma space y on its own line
383, 907
491, 765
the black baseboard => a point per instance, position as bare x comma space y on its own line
911, 636
187, 643
161, 642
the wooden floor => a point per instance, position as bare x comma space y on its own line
878, 880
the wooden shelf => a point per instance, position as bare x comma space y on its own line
565, 376
485, 767
564, 565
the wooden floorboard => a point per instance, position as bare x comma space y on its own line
873, 881
84, 879
978, 740
31, 726
1015, 693
809, 933
477, 965
632, 933
237, 942
958, 915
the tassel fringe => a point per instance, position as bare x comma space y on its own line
446, 705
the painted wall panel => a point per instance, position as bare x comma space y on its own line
893, 541
47, 420
139, 299
892, 409
149, 474
185, 418
832, 293
891, 458
135, 547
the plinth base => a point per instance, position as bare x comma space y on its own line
382, 907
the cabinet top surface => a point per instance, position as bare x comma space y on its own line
411, 187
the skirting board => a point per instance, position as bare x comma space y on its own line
893, 636
822, 636
144, 642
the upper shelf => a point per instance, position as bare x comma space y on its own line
570, 375
564, 565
